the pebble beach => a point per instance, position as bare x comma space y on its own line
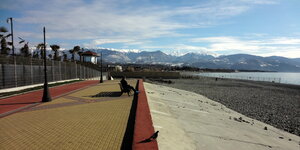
272, 103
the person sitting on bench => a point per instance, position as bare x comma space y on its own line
125, 85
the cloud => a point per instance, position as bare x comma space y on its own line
279, 46
228, 44
106, 41
290, 52
96, 19
139, 22
261, 1
180, 49
284, 41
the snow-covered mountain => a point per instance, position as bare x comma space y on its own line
251, 62
142, 57
200, 52
194, 57
202, 60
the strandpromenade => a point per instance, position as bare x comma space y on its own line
84, 115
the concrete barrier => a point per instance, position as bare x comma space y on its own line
143, 128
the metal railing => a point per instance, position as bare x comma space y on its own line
18, 71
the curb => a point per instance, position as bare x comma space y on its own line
143, 127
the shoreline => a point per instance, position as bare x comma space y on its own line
192, 121
272, 103
274, 77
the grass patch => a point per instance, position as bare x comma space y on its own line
6, 94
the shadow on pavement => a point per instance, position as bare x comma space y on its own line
128, 137
108, 94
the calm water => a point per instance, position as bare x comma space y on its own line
278, 77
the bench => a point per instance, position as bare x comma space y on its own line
125, 90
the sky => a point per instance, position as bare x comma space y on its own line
220, 27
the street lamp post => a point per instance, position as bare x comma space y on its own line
101, 76
46, 94
10, 20
12, 35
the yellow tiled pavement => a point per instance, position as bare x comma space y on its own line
110, 87
57, 101
98, 125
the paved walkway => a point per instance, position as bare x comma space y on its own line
14, 103
91, 118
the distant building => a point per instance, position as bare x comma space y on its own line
89, 56
116, 68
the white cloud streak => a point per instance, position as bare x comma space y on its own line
98, 19
280, 46
112, 21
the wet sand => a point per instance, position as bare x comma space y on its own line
271, 103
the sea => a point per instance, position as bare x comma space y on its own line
277, 77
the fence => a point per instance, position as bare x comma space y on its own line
20, 71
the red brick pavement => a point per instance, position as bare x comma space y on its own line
19, 102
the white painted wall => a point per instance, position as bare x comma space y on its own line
91, 59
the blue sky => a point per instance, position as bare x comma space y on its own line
222, 27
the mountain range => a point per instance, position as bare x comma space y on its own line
203, 60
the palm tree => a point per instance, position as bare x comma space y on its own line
65, 56
74, 51
50, 56
4, 49
35, 54
76, 48
55, 48
40, 47
25, 49
80, 54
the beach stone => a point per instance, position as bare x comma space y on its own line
268, 102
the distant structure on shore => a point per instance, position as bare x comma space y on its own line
89, 56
